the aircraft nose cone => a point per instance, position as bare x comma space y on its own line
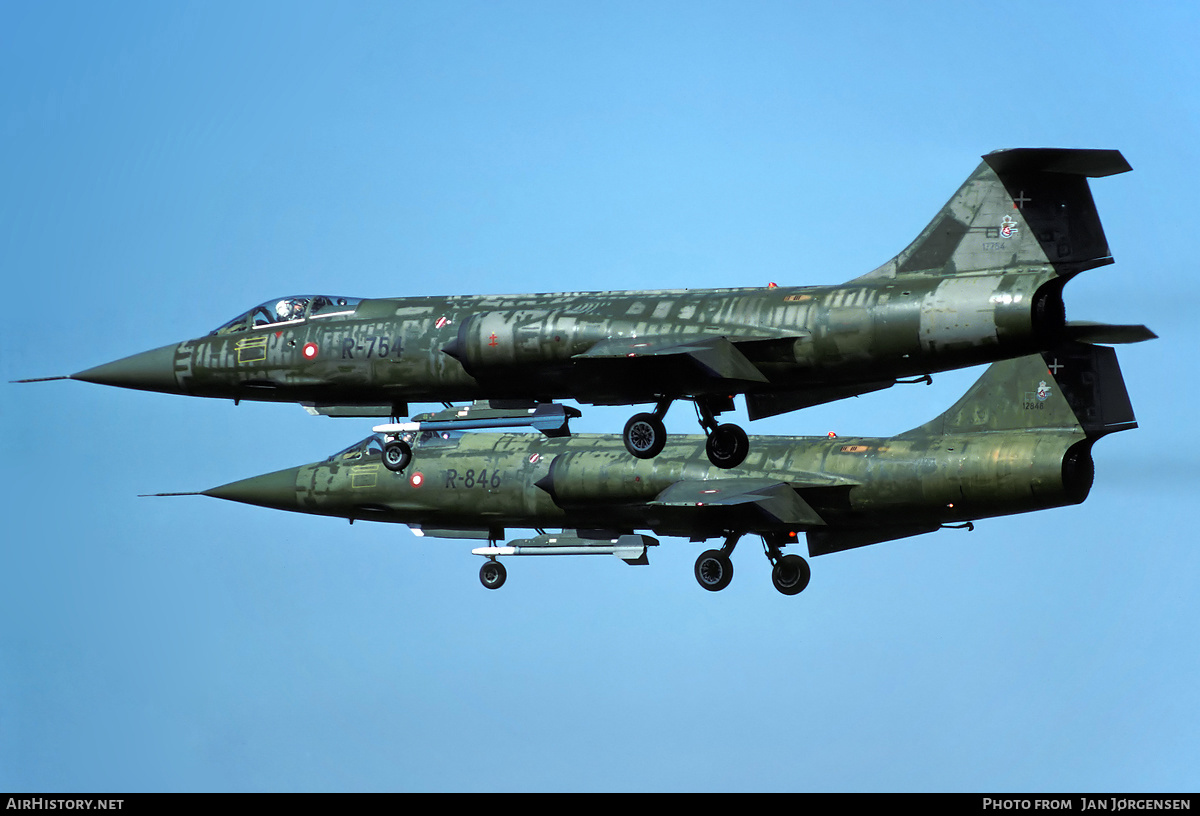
277, 490
152, 370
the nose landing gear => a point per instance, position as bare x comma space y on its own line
396, 455
493, 574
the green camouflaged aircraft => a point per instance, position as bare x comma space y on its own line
1019, 440
982, 282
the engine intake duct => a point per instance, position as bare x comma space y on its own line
601, 477
521, 336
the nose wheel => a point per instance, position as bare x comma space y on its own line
396, 455
493, 575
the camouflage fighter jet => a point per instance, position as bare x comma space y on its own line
1019, 440
982, 282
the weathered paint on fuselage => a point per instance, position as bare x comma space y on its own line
497, 481
981, 282
392, 351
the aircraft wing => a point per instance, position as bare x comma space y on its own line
718, 356
772, 403
779, 500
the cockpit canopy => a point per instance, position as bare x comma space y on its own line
371, 448
292, 309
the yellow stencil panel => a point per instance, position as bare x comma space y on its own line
363, 475
251, 349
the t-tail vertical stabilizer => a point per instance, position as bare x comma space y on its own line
1021, 208
1019, 440
1073, 387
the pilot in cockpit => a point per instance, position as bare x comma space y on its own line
289, 309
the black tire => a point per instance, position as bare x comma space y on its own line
790, 574
645, 436
396, 455
714, 570
727, 446
493, 575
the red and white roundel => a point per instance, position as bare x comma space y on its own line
310, 351
417, 479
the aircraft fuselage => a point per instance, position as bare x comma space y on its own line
616, 347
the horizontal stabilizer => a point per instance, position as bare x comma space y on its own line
777, 499
1084, 331
717, 356
1067, 161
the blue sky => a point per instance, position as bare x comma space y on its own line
170, 165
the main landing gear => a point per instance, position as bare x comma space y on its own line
727, 445
789, 573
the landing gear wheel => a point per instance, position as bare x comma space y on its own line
727, 446
714, 570
645, 436
492, 575
790, 574
396, 455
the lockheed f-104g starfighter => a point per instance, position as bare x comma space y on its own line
982, 282
1019, 440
